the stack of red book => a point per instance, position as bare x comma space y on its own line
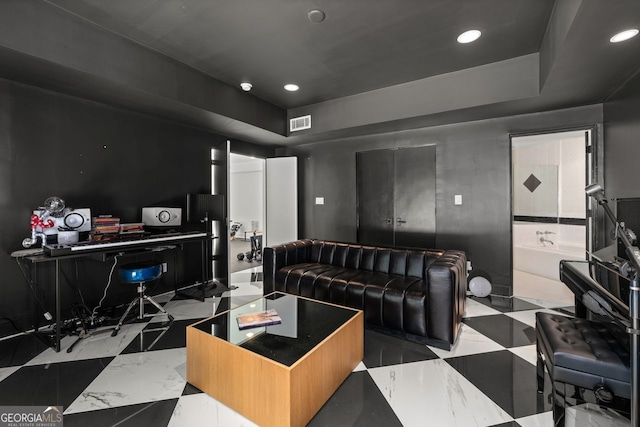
104, 227
132, 228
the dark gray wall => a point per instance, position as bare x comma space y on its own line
622, 149
500, 82
472, 159
622, 142
110, 160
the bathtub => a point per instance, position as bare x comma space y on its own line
544, 261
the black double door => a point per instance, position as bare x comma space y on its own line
397, 197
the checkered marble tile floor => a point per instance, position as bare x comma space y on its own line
487, 379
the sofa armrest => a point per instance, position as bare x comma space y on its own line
276, 257
446, 295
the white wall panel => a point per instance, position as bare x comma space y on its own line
282, 200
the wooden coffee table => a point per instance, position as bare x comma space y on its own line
278, 375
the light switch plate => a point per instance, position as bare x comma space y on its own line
319, 200
457, 199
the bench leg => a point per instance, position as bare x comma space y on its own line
539, 369
558, 404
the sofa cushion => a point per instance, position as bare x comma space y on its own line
393, 301
332, 286
289, 278
402, 262
384, 303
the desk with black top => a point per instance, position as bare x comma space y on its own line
102, 251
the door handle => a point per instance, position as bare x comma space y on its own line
399, 221
388, 221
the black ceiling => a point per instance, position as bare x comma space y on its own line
361, 45
359, 71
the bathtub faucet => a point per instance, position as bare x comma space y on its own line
544, 241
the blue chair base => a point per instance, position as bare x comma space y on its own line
141, 273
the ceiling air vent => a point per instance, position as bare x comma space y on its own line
300, 123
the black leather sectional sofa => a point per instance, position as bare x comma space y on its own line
413, 293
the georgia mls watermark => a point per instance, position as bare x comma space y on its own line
31, 416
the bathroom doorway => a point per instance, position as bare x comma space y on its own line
549, 206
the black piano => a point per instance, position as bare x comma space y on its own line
600, 292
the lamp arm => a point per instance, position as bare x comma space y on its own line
633, 252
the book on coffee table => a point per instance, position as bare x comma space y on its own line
262, 318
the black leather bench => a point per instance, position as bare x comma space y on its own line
586, 354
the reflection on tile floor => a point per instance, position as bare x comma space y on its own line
56, 384
433, 390
384, 350
503, 329
469, 341
526, 352
157, 413
99, 343
487, 379
506, 305
357, 402
134, 378
475, 308
527, 316
514, 390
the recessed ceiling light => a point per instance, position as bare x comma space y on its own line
316, 16
246, 86
291, 87
469, 36
624, 35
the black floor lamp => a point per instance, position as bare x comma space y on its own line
206, 208
631, 270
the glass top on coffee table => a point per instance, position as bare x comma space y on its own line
304, 323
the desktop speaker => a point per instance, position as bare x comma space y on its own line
78, 220
162, 217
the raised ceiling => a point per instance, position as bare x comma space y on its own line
369, 67
361, 45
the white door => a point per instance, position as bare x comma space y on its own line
282, 200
